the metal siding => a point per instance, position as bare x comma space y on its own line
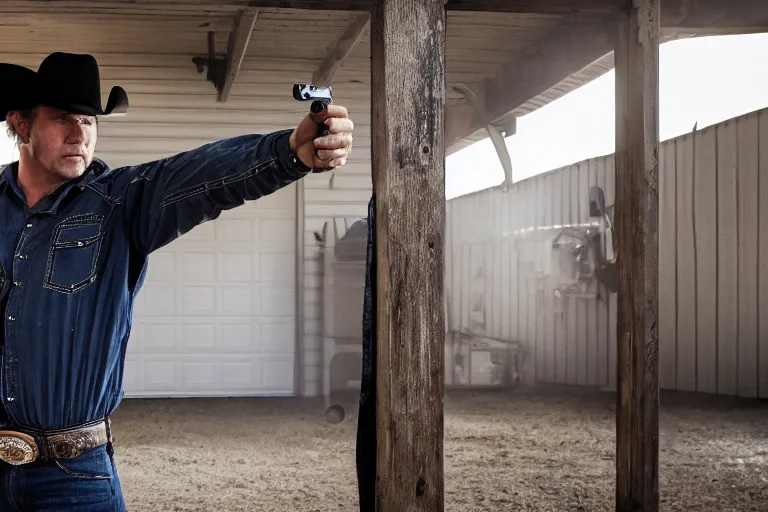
712, 278
686, 267
705, 223
727, 260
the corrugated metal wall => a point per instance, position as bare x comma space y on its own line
713, 266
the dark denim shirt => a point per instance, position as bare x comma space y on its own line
71, 267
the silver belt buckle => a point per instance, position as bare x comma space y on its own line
17, 448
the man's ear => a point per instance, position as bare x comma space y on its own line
21, 125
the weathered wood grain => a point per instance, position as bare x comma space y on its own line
408, 88
637, 208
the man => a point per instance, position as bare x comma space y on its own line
74, 241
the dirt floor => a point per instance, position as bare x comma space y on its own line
551, 450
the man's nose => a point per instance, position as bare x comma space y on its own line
77, 133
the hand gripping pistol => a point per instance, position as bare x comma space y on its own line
320, 97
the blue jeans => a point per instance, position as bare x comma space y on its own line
88, 483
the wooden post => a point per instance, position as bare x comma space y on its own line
408, 88
637, 207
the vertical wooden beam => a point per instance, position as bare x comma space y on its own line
637, 206
409, 91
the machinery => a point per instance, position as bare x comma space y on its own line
585, 252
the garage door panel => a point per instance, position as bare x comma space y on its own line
189, 374
238, 300
131, 373
241, 375
277, 301
160, 374
157, 299
277, 233
197, 265
234, 230
198, 337
158, 336
237, 266
198, 300
277, 338
278, 373
238, 337
162, 266
277, 266
202, 232
217, 312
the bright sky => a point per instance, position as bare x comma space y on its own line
704, 80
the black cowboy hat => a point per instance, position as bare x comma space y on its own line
66, 81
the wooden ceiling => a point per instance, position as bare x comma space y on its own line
515, 62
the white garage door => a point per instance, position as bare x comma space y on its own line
216, 315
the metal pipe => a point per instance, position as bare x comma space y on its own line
298, 377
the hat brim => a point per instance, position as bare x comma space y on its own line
20, 90
117, 104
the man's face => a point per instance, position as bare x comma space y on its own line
63, 143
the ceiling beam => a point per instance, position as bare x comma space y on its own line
344, 46
574, 46
238, 44
709, 14
674, 13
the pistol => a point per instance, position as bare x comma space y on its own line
320, 97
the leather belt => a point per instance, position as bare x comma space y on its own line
24, 447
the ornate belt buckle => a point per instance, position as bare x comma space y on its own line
17, 448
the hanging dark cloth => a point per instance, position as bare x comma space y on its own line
366, 423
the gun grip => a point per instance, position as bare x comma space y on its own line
322, 130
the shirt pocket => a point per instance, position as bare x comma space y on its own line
74, 253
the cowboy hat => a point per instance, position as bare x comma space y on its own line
66, 81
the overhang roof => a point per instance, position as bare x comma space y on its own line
514, 62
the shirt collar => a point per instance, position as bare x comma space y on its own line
50, 205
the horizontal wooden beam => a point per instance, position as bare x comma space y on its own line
674, 13
344, 46
508, 6
709, 14
701, 14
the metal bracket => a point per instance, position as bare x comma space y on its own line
215, 63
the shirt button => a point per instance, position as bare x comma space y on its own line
11, 318
29, 225
11, 399
17, 283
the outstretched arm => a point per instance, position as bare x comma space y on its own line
167, 198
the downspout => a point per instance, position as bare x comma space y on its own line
495, 134
298, 377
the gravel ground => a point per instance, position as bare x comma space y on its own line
549, 450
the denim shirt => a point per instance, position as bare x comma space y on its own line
71, 267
